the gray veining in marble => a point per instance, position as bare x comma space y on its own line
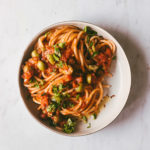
127, 20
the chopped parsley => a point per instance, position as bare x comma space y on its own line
52, 107
60, 87
55, 90
78, 96
52, 123
91, 44
32, 80
67, 104
62, 45
95, 53
69, 126
88, 39
89, 31
60, 64
71, 105
94, 116
36, 85
57, 98
114, 58
89, 126
57, 51
46, 34
56, 57
43, 94
67, 95
84, 119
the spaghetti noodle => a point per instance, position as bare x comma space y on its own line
65, 73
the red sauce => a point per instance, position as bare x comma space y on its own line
66, 54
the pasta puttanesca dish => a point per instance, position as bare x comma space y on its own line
65, 74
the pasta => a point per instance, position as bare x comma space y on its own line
65, 74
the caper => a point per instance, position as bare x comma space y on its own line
79, 88
89, 78
51, 59
34, 53
93, 67
41, 65
26, 68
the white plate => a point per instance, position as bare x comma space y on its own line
121, 82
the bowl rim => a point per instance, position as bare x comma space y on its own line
22, 60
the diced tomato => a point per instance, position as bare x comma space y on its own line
66, 54
55, 119
57, 112
102, 58
44, 101
108, 52
43, 116
27, 76
71, 61
79, 79
33, 61
68, 78
83, 105
50, 69
74, 84
49, 50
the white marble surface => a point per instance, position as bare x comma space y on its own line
127, 20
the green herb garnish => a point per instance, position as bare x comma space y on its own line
43, 94
52, 123
62, 45
60, 64
32, 80
88, 39
56, 57
114, 58
95, 53
91, 44
84, 119
94, 116
60, 87
67, 103
57, 98
55, 90
57, 51
78, 96
89, 31
69, 127
67, 95
37, 85
71, 105
89, 126
46, 34
52, 107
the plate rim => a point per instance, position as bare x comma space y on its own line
81, 23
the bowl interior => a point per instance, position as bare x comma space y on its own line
120, 82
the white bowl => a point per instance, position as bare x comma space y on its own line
121, 82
